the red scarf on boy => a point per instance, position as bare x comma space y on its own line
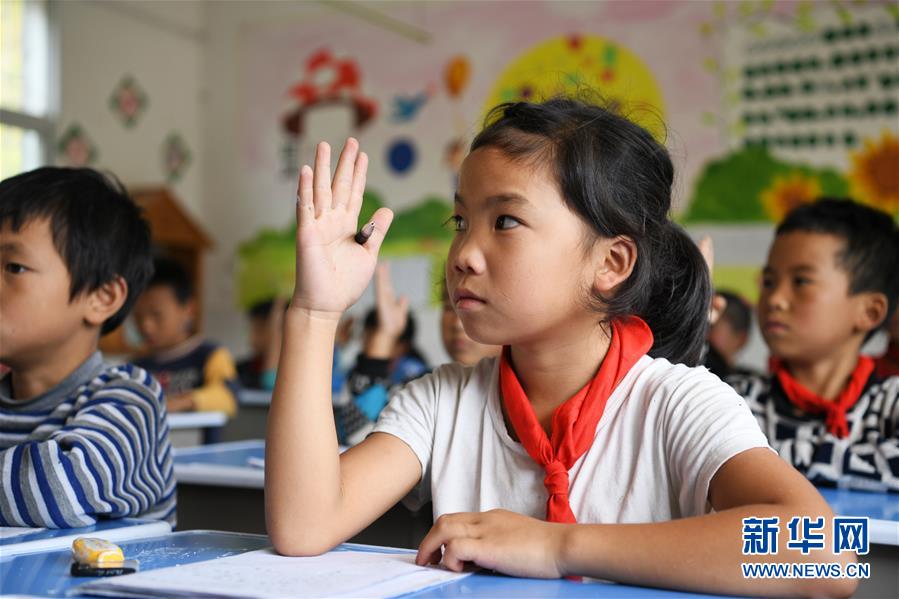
574, 422
834, 411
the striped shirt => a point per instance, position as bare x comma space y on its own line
95, 446
868, 458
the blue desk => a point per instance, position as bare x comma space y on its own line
225, 464
47, 574
219, 489
881, 509
256, 398
187, 429
44, 539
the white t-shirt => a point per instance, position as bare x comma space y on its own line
665, 432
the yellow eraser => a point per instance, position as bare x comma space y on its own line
89, 550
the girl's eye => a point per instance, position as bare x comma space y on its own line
506, 222
456, 221
801, 281
14, 268
767, 283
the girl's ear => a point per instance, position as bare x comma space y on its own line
615, 258
104, 301
872, 311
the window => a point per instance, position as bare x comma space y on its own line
27, 85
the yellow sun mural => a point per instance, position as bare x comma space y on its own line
789, 192
571, 64
874, 176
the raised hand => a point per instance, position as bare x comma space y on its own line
393, 314
719, 302
332, 269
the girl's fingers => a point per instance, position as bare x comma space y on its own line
429, 552
343, 176
305, 205
459, 551
357, 189
382, 219
321, 183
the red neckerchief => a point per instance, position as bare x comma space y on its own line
574, 422
834, 411
888, 363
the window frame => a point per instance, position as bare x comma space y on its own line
45, 126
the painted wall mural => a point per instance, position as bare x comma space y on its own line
128, 101
811, 108
765, 105
76, 148
578, 64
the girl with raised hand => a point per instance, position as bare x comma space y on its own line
589, 447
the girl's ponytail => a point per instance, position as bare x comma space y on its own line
677, 310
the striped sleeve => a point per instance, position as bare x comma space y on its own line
111, 458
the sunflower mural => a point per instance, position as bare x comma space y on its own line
789, 192
752, 185
874, 175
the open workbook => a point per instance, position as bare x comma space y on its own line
265, 574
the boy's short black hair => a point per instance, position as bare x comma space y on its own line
871, 255
97, 228
169, 273
261, 310
738, 312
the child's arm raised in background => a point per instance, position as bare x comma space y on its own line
368, 383
314, 497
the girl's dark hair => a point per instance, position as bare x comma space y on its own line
618, 178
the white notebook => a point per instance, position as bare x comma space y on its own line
265, 574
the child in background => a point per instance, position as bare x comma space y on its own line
266, 322
197, 375
888, 364
564, 254
729, 335
388, 358
828, 285
79, 440
460, 347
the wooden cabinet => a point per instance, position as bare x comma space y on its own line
176, 235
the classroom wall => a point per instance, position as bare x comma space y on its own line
221, 75
257, 51
161, 45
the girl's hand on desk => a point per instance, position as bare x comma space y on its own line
496, 540
333, 270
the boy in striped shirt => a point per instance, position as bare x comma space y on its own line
79, 440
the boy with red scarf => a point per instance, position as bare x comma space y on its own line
829, 284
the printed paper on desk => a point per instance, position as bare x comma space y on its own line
264, 574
